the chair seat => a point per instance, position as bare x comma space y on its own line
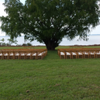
79, 53
67, 53
11, 54
34, 54
28, 54
92, 53
98, 53
40, 54
6, 54
86, 53
62, 53
73, 53
22, 54
1, 54
16, 54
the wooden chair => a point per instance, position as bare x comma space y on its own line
0, 54
22, 54
10, 54
97, 54
5, 54
28, 54
45, 53
92, 53
41, 53
74, 54
62, 54
68, 54
16, 54
86, 53
33, 54
80, 53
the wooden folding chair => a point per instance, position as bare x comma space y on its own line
0, 54
33, 54
92, 53
74, 54
44, 53
28, 54
80, 53
62, 54
10, 54
41, 54
4, 54
16, 54
86, 53
68, 54
97, 54
22, 54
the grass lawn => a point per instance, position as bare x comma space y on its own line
50, 79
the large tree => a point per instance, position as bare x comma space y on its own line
48, 21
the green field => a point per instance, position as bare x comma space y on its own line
50, 79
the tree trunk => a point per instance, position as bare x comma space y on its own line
51, 45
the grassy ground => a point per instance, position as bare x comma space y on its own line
50, 79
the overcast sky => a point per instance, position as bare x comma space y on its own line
96, 30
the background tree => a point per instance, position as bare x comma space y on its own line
2, 40
48, 21
12, 41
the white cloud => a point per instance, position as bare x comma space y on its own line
2, 13
95, 30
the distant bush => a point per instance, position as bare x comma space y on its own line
29, 44
18, 45
5, 44
8, 44
24, 44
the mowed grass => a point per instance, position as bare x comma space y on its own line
50, 79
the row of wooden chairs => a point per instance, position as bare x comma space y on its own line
79, 53
23, 53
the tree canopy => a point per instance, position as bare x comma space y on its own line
48, 21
